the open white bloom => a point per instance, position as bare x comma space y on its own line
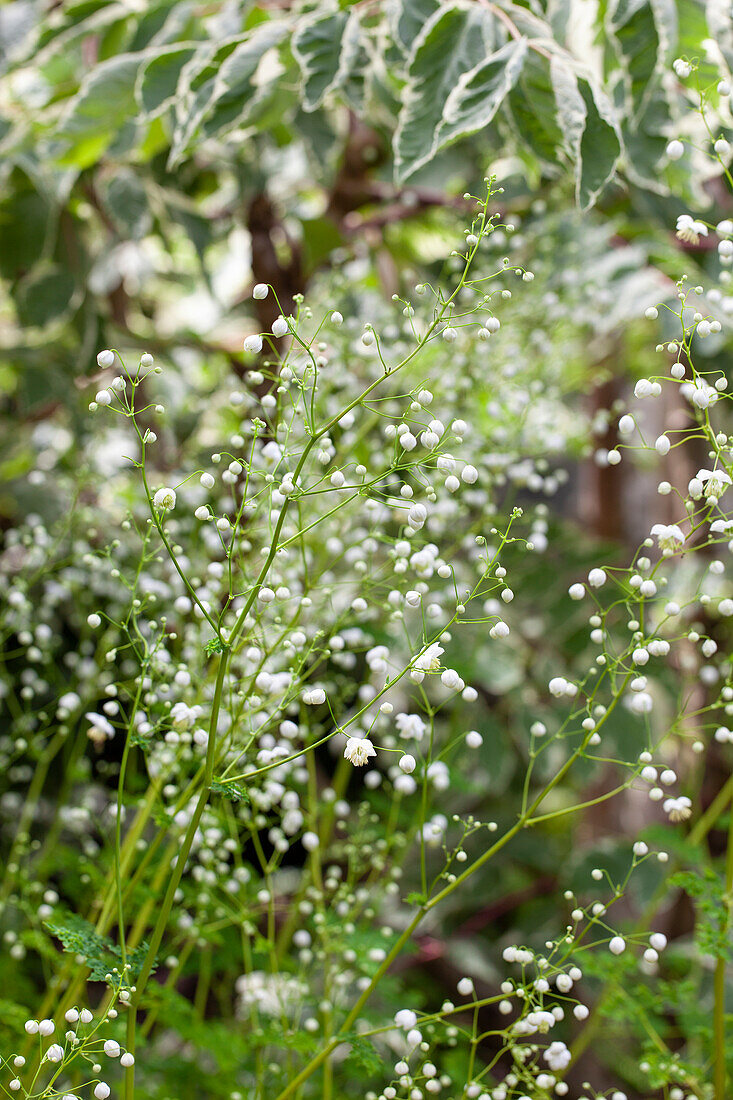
269, 994
411, 726
183, 717
715, 482
165, 498
536, 1021
557, 1056
358, 750
690, 230
678, 809
99, 728
429, 659
668, 535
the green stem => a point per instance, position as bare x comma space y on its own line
185, 848
719, 1074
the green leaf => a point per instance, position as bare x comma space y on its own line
479, 93
235, 89
229, 789
711, 927
126, 202
589, 131
600, 146
194, 92
316, 46
354, 63
645, 33
453, 43
363, 1058
25, 226
570, 105
645, 140
44, 296
408, 17
157, 81
533, 110
79, 937
104, 102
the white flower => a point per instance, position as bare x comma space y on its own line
314, 697
668, 535
538, 1021
640, 703
279, 326
597, 578
678, 809
690, 230
165, 498
429, 659
715, 482
557, 1056
405, 1018
407, 763
253, 344
675, 149
617, 945
183, 717
99, 728
55, 1053
416, 516
269, 994
700, 393
434, 829
450, 679
411, 726
358, 750
559, 686
260, 291
105, 358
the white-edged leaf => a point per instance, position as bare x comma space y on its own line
571, 109
157, 81
600, 145
589, 129
316, 46
452, 43
236, 88
104, 103
479, 94
719, 21
125, 200
667, 22
532, 110
407, 18
195, 87
643, 31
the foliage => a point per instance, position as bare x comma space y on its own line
367, 693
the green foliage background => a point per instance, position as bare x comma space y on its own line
157, 159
